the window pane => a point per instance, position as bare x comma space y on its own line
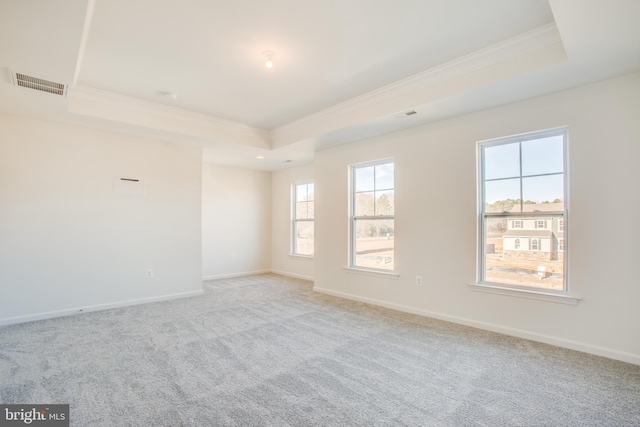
545, 192
541, 156
301, 192
502, 196
302, 211
384, 177
304, 237
502, 161
310, 210
374, 243
364, 204
364, 179
384, 202
310, 192
514, 256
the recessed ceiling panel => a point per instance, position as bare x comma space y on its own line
210, 53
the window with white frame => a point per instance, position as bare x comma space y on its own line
522, 180
372, 221
303, 219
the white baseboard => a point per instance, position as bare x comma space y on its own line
253, 273
294, 275
229, 275
98, 307
547, 339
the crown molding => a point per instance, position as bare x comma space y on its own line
83, 40
351, 112
107, 105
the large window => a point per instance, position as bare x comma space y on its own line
303, 215
372, 216
522, 183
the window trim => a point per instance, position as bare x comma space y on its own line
522, 290
293, 243
351, 246
529, 293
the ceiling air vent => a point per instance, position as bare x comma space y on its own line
405, 114
36, 83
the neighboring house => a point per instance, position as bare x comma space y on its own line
539, 237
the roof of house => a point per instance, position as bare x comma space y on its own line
539, 207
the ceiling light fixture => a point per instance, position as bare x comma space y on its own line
268, 56
260, 157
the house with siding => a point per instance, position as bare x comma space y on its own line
537, 237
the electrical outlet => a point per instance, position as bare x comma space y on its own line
149, 272
419, 280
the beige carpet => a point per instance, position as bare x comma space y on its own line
268, 351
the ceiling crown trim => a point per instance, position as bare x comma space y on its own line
115, 107
351, 112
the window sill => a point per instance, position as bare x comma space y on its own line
309, 257
373, 273
526, 293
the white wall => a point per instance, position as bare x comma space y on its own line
67, 242
436, 219
281, 260
236, 221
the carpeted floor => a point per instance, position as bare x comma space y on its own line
268, 351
